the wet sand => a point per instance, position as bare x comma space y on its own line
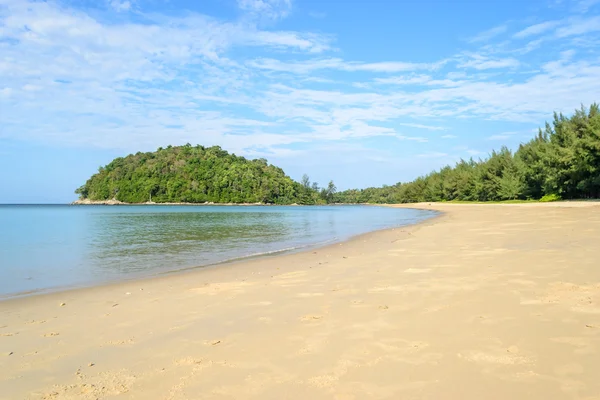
483, 302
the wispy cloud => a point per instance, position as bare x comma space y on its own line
120, 5
502, 136
584, 6
405, 80
579, 26
175, 79
481, 62
421, 126
536, 29
308, 66
272, 9
489, 34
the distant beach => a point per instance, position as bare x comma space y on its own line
484, 301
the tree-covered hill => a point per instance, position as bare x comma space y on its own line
562, 161
197, 175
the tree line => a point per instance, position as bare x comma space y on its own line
561, 162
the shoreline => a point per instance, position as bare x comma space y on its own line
114, 202
482, 301
427, 206
196, 269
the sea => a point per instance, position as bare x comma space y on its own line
53, 247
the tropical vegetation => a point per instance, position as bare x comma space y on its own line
561, 162
198, 174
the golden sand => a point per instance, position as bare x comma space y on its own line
484, 302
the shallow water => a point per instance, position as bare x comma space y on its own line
54, 246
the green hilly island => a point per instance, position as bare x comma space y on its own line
198, 174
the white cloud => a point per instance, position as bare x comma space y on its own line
170, 79
312, 43
531, 46
309, 66
419, 139
584, 6
301, 67
120, 5
52, 28
31, 88
272, 9
536, 29
489, 34
502, 136
421, 126
405, 80
466, 150
481, 62
391, 66
579, 26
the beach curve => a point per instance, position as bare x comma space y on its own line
492, 301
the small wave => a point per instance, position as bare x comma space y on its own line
253, 255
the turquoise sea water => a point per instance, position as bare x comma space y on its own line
46, 247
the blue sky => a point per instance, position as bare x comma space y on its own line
365, 93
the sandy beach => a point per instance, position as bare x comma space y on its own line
483, 302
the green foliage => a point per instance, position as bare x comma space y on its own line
197, 175
550, 197
562, 161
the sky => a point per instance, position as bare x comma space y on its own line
363, 93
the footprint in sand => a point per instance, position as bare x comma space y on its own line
188, 361
43, 321
119, 342
212, 289
311, 318
104, 385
